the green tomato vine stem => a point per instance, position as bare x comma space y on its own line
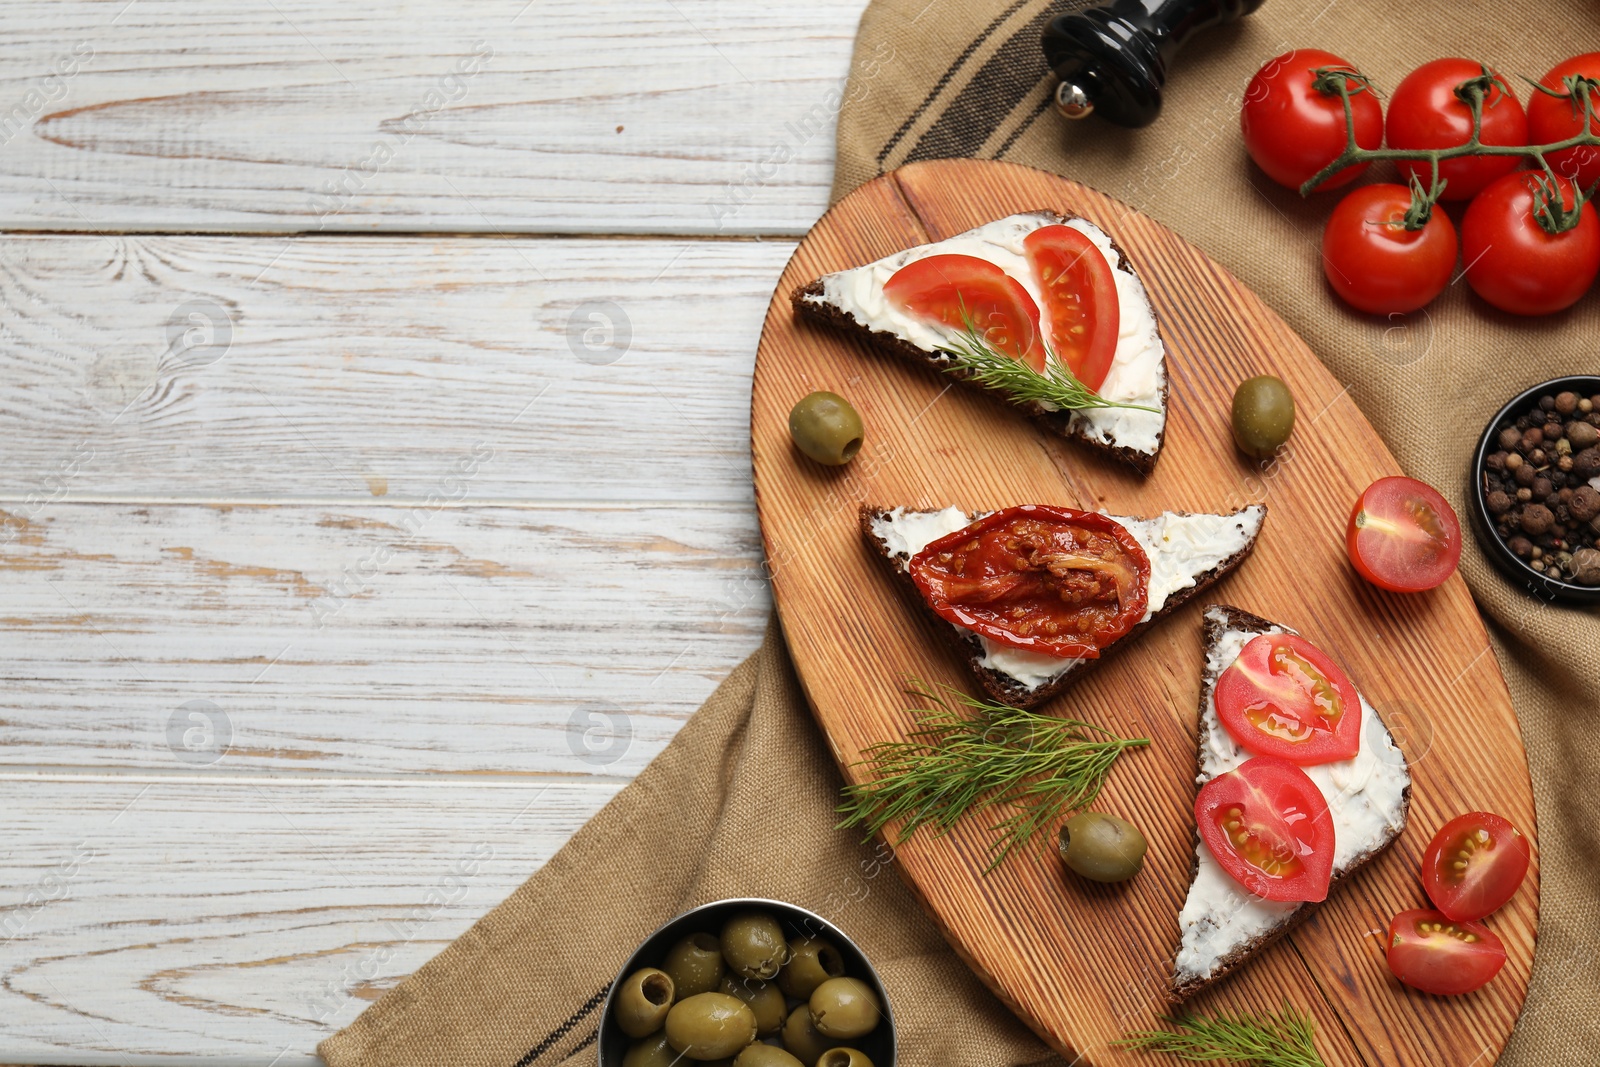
1552, 216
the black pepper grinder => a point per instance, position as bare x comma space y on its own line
1112, 59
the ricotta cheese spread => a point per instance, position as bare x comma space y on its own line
1365, 795
1138, 371
1180, 547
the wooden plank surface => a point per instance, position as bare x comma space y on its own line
1084, 964
370, 640
210, 919
209, 368
663, 116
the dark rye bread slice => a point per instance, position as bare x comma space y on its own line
808, 302
1219, 619
999, 685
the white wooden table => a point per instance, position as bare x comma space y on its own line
374, 481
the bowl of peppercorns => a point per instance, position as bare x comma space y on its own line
1536, 489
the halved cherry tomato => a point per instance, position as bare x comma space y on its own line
1051, 580
1404, 536
962, 291
1292, 131
1268, 825
1080, 300
1552, 119
1425, 112
1284, 697
1474, 865
1432, 952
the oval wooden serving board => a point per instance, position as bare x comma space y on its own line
1082, 964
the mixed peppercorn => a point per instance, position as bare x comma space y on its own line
1542, 485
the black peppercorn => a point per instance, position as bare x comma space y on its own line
1525, 474
1584, 503
1536, 519
1586, 464
1567, 402
1547, 403
1499, 503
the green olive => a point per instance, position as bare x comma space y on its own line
844, 1008
653, 1051
801, 1036
844, 1057
710, 1026
753, 944
765, 1000
1263, 415
1101, 847
694, 964
765, 1056
826, 428
643, 1000
812, 961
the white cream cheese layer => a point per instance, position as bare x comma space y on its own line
1365, 795
1138, 370
1180, 548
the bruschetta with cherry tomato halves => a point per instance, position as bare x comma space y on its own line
1227, 919
1038, 310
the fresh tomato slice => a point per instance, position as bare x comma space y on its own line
1080, 299
1046, 579
1404, 536
1268, 825
1284, 697
1474, 865
964, 291
1437, 954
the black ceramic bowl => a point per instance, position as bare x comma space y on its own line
1483, 524
708, 918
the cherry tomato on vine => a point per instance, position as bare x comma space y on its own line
1514, 261
1552, 119
1292, 130
1425, 112
1474, 865
1404, 536
1428, 950
1374, 263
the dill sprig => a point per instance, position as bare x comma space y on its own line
1287, 1039
968, 755
972, 354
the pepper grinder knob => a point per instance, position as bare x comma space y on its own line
1112, 59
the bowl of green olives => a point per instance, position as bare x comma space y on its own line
747, 983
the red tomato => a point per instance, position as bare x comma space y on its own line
1425, 112
1404, 536
1374, 263
1267, 823
1436, 954
1292, 131
1080, 299
1551, 119
956, 291
1513, 263
1284, 697
1045, 579
1474, 865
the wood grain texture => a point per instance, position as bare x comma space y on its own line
217, 920
687, 116
356, 369
368, 640
1084, 964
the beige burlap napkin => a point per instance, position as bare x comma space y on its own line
740, 804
